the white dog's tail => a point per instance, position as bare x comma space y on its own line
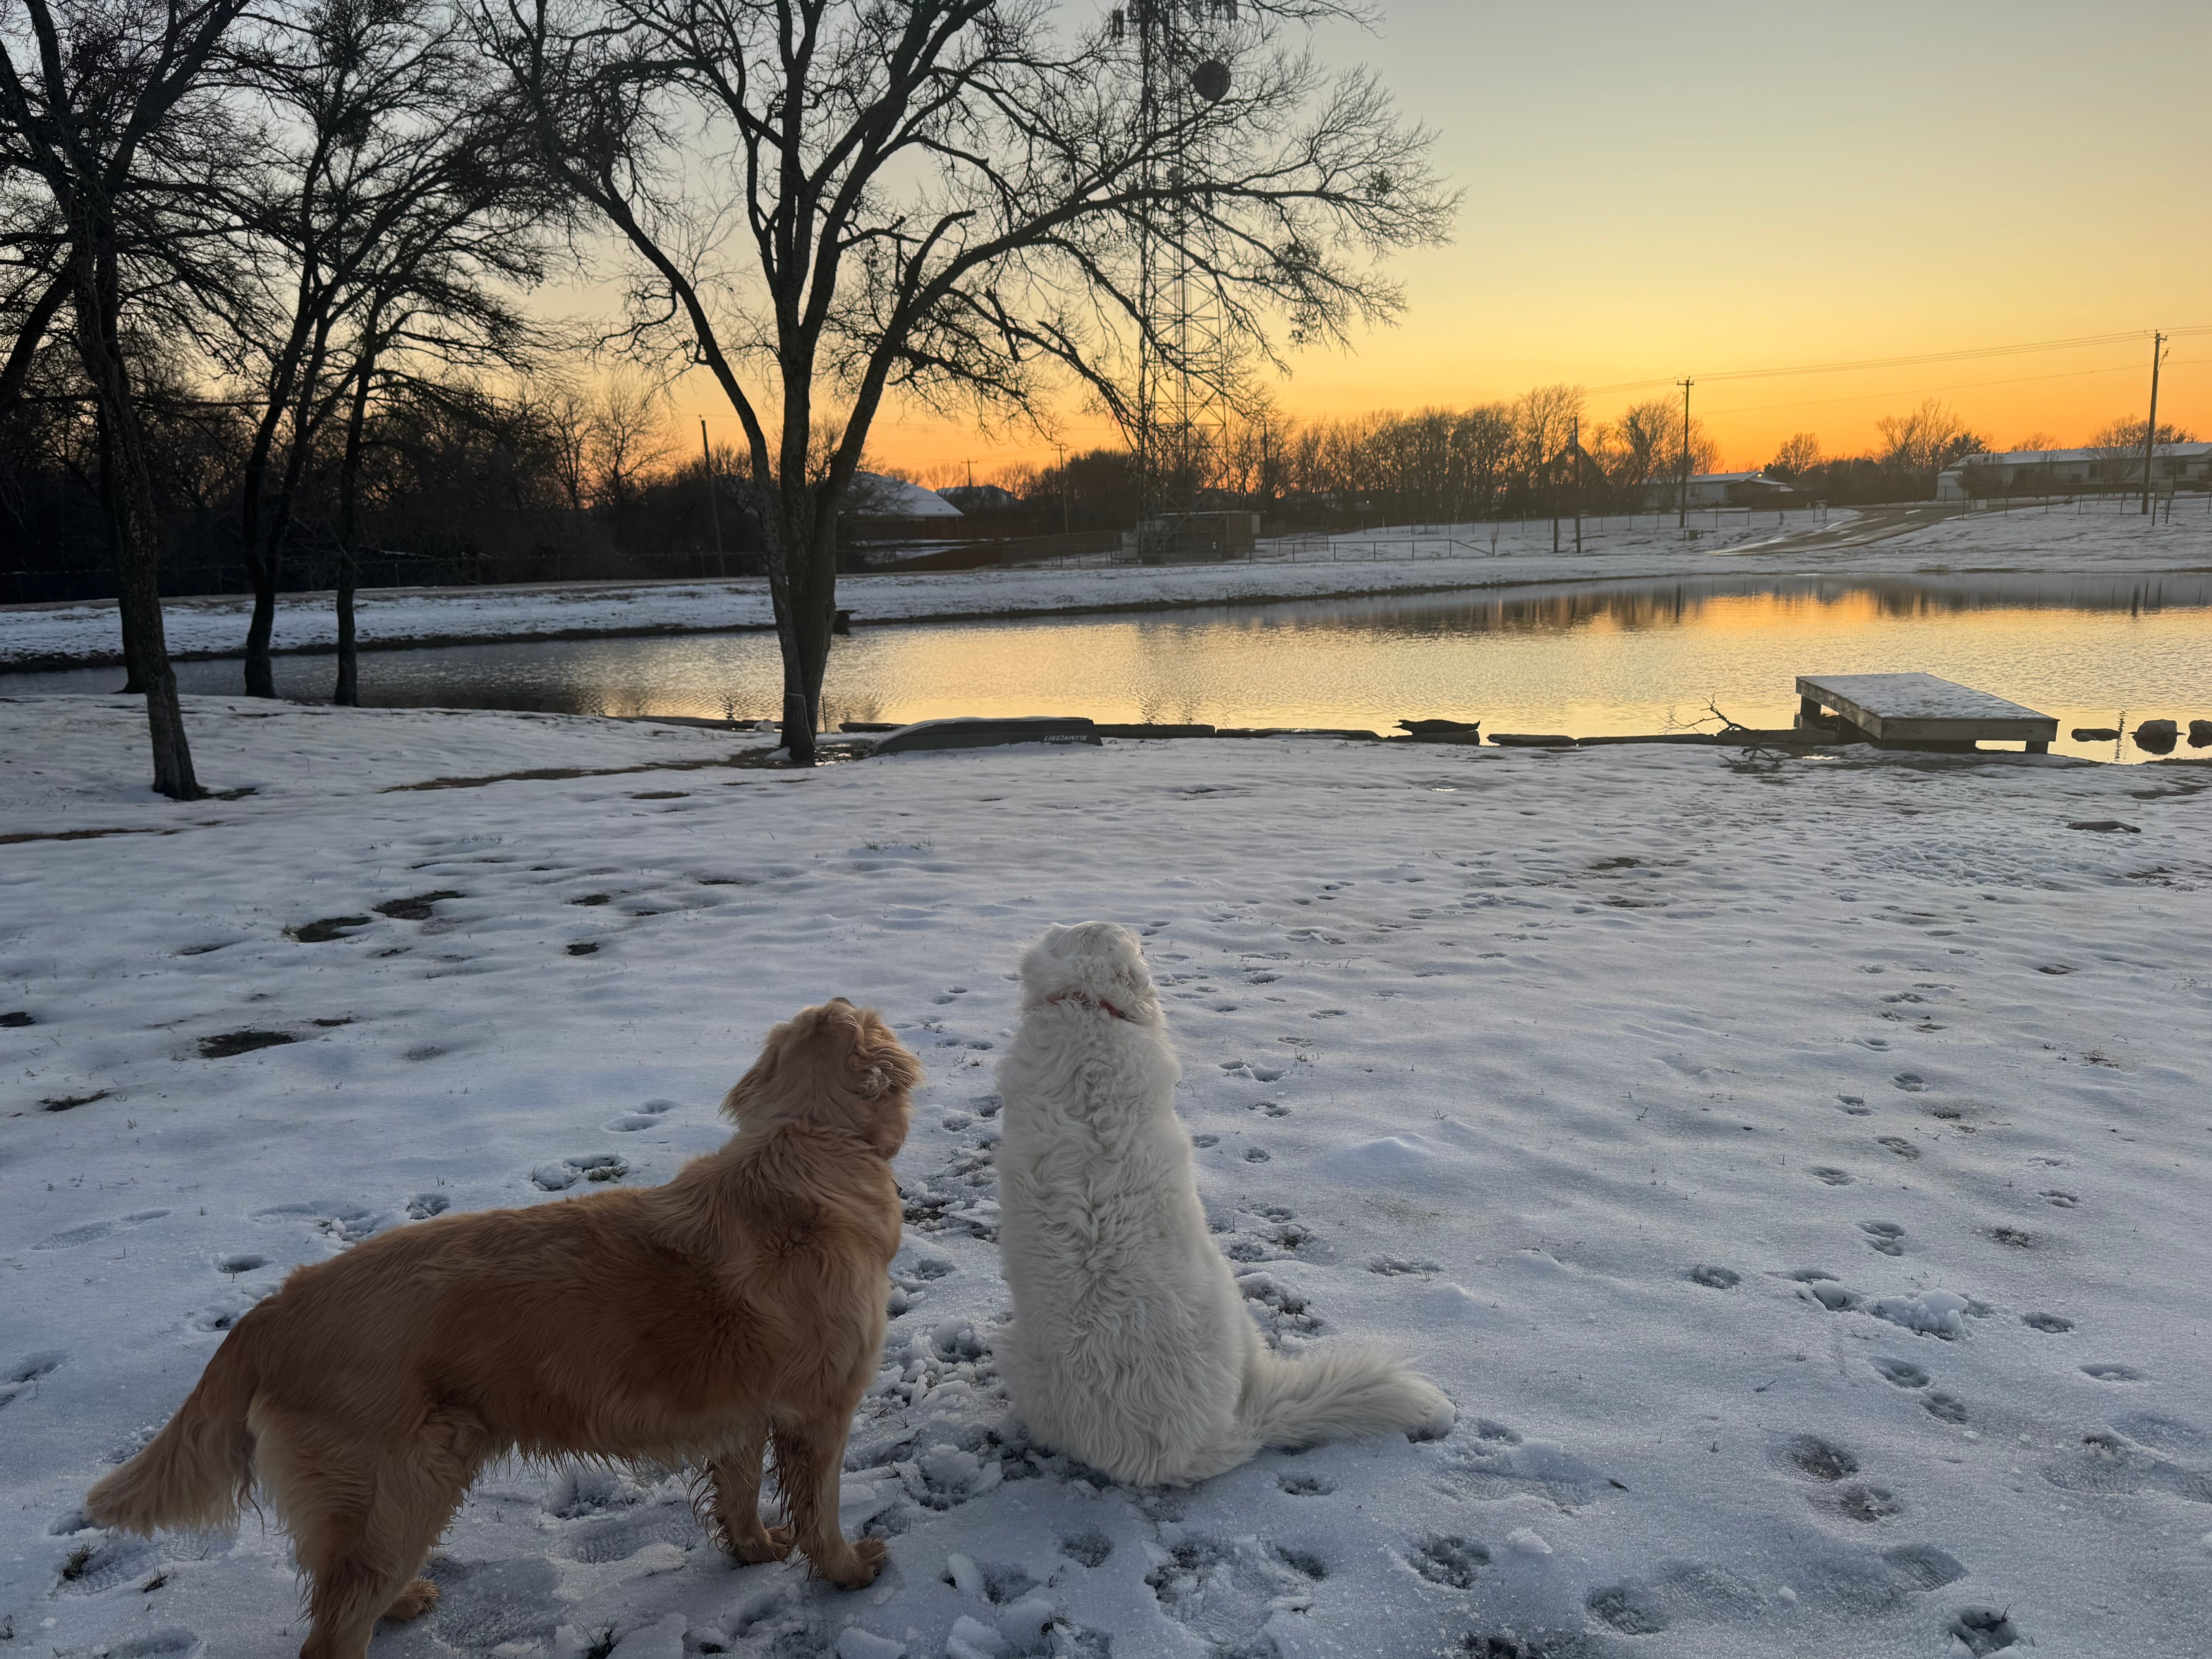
1339, 1391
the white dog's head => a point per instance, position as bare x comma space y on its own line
1097, 964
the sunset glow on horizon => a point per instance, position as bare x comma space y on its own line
1655, 190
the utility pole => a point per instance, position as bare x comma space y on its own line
1552, 497
1575, 449
1065, 527
713, 512
2150, 431
1682, 522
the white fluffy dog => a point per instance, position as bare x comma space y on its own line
1130, 1346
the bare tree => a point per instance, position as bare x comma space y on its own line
1797, 455
1927, 440
110, 109
626, 438
944, 198
565, 411
1543, 421
392, 201
1644, 447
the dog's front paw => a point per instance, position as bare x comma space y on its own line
869, 1555
773, 1544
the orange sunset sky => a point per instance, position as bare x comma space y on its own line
1654, 189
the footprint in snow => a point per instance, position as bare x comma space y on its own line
2110, 1464
1887, 1237
1087, 1549
1392, 1266
1898, 1144
1911, 1082
1903, 1372
1825, 1289
1830, 1176
2050, 1324
240, 1262
93, 1567
1718, 1279
27, 1372
92, 1231
1686, 1592
647, 1116
584, 1166
1823, 1460
347, 1223
1448, 1559
2105, 1371
171, 1643
1984, 1631
584, 1490
1944, 1405
1305, 1485
424, 1205
616, 1538
1861, 1502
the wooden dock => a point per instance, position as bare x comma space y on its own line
1919, 711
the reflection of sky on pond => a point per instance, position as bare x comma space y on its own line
1586, 660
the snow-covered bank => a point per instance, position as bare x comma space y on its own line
1794, 1170
1881, 541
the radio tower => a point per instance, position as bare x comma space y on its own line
1182, 50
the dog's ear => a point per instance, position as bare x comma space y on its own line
759, 1076
882, 1064
765, 1078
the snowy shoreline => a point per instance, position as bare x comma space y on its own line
50, 638
1792, 1167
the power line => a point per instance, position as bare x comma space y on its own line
1929, 390
2080, 342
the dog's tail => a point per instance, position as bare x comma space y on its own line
1339, 1391
198, 1471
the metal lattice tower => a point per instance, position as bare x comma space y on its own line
1182, 51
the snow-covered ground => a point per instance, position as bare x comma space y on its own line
1795, 1169
1876, 541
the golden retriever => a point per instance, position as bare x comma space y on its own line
739, 1308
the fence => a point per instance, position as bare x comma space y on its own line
1517, 539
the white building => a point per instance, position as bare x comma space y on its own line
2068, 471
1717, 489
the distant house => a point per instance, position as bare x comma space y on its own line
2064, 471
1717, 489
874, 496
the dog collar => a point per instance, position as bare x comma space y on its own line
1087, 1000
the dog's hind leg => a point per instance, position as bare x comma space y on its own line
809, 1454
362, 1519
736, 1478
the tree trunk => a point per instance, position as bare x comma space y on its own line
134, 682
802, 570
347, 692
260, 676
131, 511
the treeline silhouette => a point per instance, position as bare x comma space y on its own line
459, 485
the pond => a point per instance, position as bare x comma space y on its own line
1586, 659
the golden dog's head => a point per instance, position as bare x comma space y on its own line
833, 1066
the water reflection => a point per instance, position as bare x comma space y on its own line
1589, 660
